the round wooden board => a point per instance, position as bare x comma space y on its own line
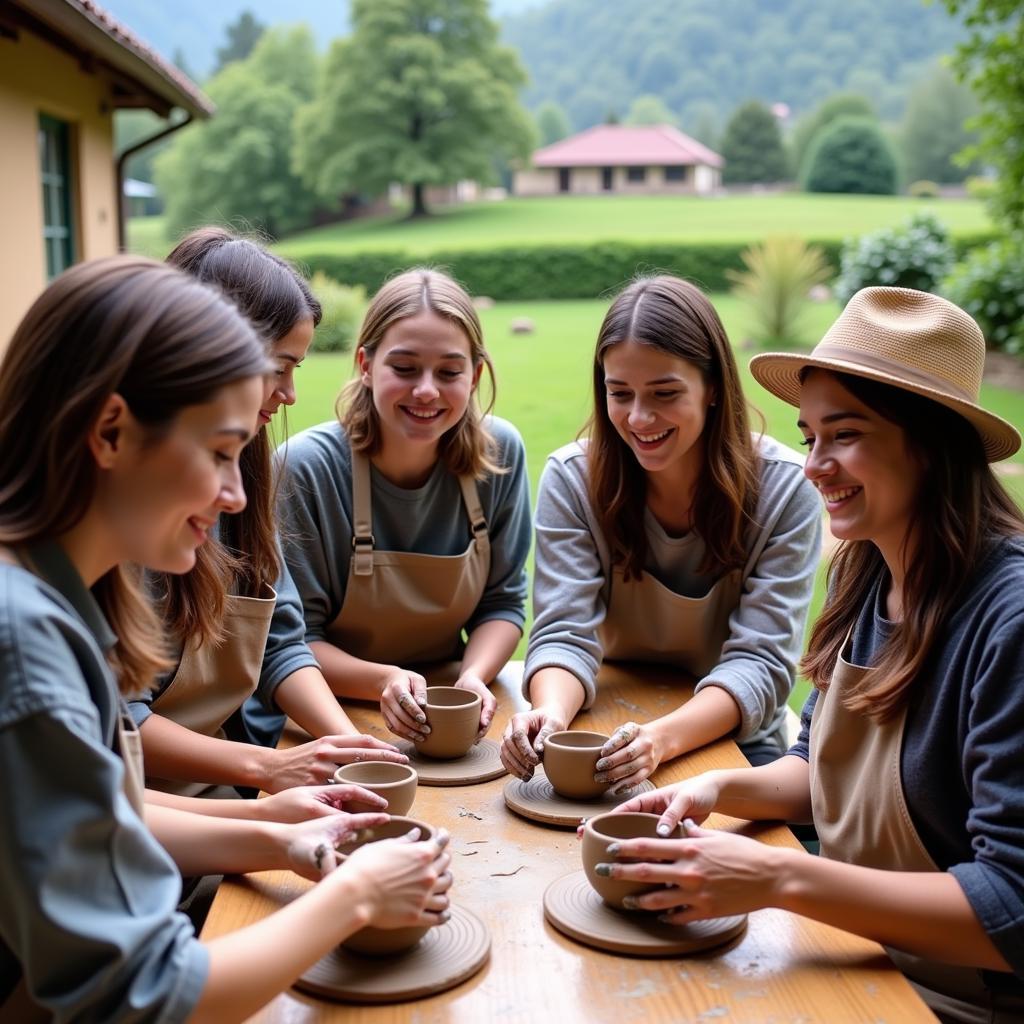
576, 910
481, 764
537, 800
444, 957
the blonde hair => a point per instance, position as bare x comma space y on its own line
468, 449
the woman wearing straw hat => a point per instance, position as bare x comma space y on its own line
908, 762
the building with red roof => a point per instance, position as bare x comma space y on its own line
623, 159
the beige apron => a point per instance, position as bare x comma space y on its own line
646, 621
861, 817
214, 680
402, 607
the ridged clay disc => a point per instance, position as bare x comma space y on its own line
537, 800
481, 764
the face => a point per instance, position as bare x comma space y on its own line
422, 378
860, 463
161, 498
657, 402
288, 353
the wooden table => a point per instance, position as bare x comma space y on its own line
785, 968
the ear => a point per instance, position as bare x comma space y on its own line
477, 371
107, 434
363, 362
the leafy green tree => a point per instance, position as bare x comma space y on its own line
649, 109
243, 35
990, 61
237, 165
422, 93
752, 146
851, 155
552, 123
934, 128
840, 104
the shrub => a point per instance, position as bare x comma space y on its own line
923, 190
916, 255
989, 284
752, 146
981, 188
850, 155
343, 310
779, 274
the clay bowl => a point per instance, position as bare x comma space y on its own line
385, 941
395, 782
454, 719
570, 761
609, 828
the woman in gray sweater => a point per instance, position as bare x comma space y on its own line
669, 535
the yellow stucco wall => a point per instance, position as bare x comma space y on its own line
37, 78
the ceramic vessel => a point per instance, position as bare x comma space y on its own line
599, 832
395, 782
570, 761
385, 941
453, 715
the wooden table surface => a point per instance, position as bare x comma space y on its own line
785, 968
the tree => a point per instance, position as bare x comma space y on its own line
552, 123
840, 104
752, 146
934, 128
851, 155
422, 93
990, 63
237, 166
243, 35
649, 109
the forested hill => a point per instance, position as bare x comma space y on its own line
704, 57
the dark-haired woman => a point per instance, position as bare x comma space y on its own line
909, 762
669, 535
236, 618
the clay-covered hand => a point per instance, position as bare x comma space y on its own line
522, 745
488, 703
402, 702
694, 799
404, 882
631, 754
314, 763
711, 874
310, 846
304, 802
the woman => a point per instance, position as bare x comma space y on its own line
670, 535
126, 397
909, 758
408, 521
236, 618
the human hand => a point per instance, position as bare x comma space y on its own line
488, 704
402, 701
300, 803
694, 799
310, 847
631, 754
522, 745
314, 763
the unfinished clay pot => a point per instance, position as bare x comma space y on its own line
385, 941
570, 761
599, 832
453, 715
395, 782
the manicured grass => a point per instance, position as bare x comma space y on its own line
146, 237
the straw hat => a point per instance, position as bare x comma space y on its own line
909, 339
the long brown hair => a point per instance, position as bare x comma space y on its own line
960, 509
676, 317
272, 295
468, 449
126, 325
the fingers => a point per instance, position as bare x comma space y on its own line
656, 874
626, 784
625, 733
419, 689
403, 716
678, 808
653, 802
331, 798
355, 756
365, 740
513, 761
487, 708
351, 824
546, 729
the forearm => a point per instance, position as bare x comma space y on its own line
173, 752
780, 791
250, 966
489, 647
307, 700
348, 676
706, 716
244, 809
924, 913
558, 691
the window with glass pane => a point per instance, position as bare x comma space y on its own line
55, 162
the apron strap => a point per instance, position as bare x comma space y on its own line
362, 520
475, 511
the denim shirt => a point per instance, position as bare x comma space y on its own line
88, 917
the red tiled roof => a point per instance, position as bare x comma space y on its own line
622, 145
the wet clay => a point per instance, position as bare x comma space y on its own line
395, 782
453, 715
538, 801
446, 956
572, 906
570, 762
481, 764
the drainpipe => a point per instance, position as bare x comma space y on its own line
122, 214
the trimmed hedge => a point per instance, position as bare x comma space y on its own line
580, 271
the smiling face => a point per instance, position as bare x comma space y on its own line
658, 404
861, 464
288, 353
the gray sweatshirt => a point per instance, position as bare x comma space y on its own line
571, 585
